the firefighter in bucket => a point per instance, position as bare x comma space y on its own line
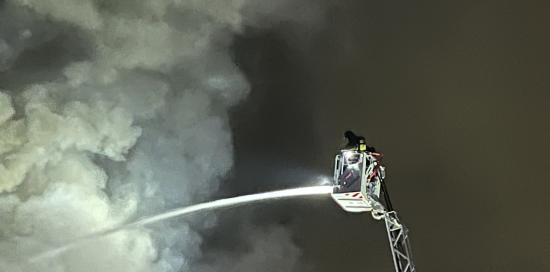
357, 171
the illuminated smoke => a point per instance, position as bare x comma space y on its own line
111, 110
114, 109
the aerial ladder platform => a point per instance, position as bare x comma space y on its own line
358, 187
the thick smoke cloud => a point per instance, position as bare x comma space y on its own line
113, 110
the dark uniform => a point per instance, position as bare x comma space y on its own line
357, 143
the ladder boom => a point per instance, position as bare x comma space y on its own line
399, 243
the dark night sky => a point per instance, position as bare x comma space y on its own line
456, 97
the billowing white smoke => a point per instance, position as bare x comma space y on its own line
134, 123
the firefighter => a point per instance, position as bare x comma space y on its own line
357, 143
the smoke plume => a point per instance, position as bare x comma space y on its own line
110, 110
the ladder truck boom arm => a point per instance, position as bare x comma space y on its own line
398, 237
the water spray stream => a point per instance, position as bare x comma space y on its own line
216, 204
